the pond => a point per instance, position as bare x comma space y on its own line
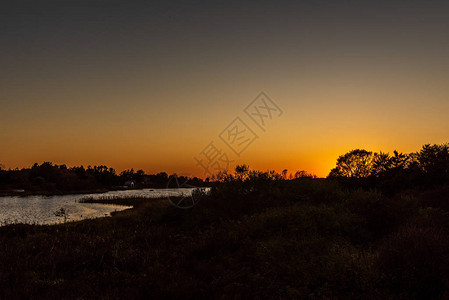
41, 209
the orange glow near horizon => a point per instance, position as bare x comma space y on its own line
312, 133
168, 140
149, 90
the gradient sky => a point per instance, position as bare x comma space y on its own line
147, 86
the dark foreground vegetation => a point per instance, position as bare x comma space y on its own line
255, 235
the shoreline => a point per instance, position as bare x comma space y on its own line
53, 193
79, 192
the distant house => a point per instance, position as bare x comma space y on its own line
130, 184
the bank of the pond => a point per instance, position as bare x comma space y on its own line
39, 209
281, 240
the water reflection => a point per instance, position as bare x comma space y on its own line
40, 209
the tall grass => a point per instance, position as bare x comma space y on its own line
254, 236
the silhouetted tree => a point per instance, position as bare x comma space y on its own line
52, 178
139, 175
241, 171
304, 174
357, 163
284, 173
381, 163
80, 172
127, 175
399, 160
434, 161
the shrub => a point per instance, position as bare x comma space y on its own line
415, 261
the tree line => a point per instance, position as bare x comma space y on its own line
358, 168
52, 178
392, 172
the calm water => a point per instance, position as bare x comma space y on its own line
40, 209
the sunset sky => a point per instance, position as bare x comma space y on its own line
148, 86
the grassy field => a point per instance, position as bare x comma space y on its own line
304, 239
